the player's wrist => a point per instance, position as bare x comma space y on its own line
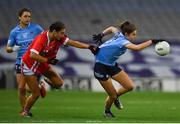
16, 48
102, 34
90, 46
155, 41
150, 41
53, 61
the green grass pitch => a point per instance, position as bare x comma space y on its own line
77, 107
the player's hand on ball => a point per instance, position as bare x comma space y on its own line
155, 41
98, 37
16, 48
162, 48
53, 61
94, 49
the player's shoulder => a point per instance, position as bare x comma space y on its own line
42, 36
34, 25
15, 29
124, 42
119, 34
121, 38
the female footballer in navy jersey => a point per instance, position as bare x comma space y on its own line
106, 68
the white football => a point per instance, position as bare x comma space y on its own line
162, 48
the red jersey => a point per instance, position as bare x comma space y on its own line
43, 46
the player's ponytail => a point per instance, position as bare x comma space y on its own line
127, 27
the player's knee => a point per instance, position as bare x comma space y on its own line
113, 96
22, 90
35, 95
58, 85
130, 87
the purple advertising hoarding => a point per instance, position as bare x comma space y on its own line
78, 62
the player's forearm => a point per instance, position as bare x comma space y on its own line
144, 45
77, 44
139, 46
38, 57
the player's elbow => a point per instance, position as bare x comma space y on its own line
130, 87
136, 48
33, 55
113, 29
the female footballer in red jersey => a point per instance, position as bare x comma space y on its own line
41, 53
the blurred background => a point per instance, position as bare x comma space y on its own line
153, 18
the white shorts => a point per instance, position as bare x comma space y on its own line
26, 70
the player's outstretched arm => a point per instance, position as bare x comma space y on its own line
77, 44
139, 46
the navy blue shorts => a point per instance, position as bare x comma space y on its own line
103, 72
18, 68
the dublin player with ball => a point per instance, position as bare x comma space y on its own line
106, 67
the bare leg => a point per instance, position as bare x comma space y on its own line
109, 88
127, 85
34, 88
55, 79
21, 89
123, 79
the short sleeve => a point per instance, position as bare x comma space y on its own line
65, 40
39, 29
125, 42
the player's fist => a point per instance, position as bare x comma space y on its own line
98, 37
16, 48
53, 61
155, 41
94, 49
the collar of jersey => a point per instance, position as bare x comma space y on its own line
19, 28
48, 37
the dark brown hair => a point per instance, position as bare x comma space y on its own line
21, 11
127, 27
57, 26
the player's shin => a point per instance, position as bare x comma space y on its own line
22, 96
